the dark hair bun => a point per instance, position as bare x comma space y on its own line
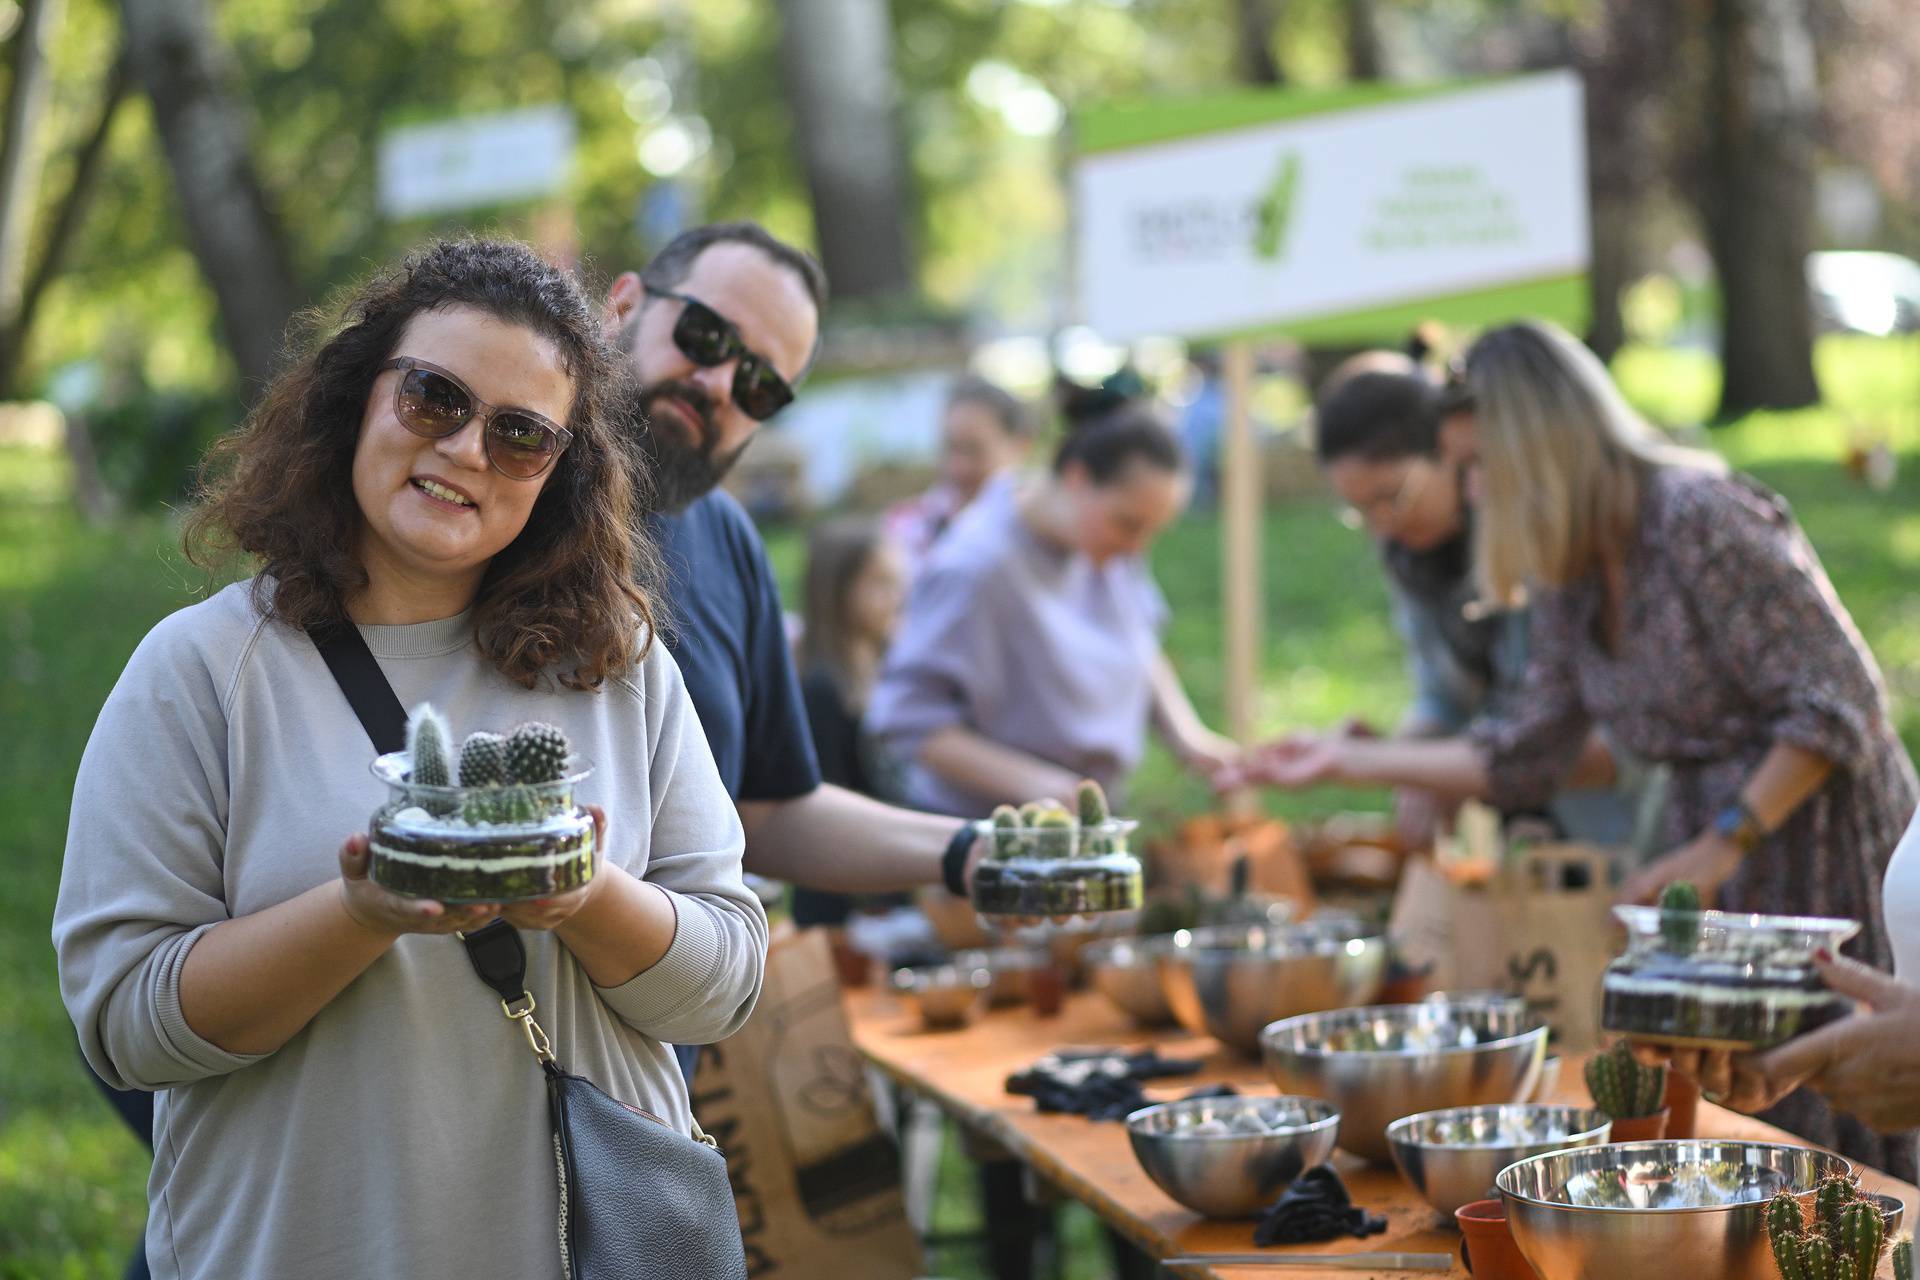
1081, 404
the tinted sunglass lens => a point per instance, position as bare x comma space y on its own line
433, 404
520, 446
759, 391
702, 336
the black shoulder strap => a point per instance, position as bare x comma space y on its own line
497, 953
360, 678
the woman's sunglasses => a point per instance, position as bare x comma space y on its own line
708, 338
431, 402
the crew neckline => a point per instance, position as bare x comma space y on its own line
419, 639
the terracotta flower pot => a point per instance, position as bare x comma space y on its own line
1641, 1128
1487, 1248
1683, 1101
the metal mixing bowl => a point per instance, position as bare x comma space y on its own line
1229, 981
1125, 971
1655, 1208
1231, 1175
1009, 970
1382, 1062
1452, 1156
944, 995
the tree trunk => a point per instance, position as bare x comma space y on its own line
837, 56
1757, 200
17, 325
1366, 57
205, 129
1254, 22
27, 89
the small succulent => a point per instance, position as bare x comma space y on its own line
483, 760
1903, 1258
1623, 1088
1680, 916
536, 753
1055, 834
1030, 811
1006, 831
428, 740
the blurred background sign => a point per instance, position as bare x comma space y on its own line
475, 160
1343, 216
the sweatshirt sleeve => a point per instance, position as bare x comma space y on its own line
706, 984
143, 875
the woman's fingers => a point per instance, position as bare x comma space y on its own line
354, 857
1859, 982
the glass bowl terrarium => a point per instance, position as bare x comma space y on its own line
1044, 861
497, 824
1718, 980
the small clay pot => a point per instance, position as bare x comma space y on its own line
1046, 989
1487, 1246
1683, 1102
1640, 1128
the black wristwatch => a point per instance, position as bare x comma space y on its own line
1738, 824
953, 863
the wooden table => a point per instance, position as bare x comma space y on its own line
965, 1072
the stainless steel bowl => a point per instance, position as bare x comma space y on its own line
1655, 1208
1009, 969
1892, 1208
944, 995
1382, 1062
1231, 1175
1453, 1155
1231, 980
1125, 971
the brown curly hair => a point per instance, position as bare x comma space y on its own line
572, 594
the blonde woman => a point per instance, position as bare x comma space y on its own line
1680, 609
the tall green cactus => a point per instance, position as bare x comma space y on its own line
1786, 1256
428, 739
1784, 1220
1863, 1234
1623, 1088
1829, 1202
1818, 1259
1091, 802
1903, 1258
1680, 916
1006, 831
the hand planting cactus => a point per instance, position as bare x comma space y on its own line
507, 830
1623, 1088
1704, 979
1048, 860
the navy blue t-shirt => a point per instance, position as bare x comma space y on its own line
725, 630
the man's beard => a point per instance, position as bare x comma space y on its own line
674, 471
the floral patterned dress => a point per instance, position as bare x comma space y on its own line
1733, 640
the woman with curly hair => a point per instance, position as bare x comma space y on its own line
341, 1095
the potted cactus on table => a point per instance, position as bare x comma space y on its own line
1844, 1240
1632, 1094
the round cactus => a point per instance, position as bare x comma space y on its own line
1680, 916
428, 739
1055, 834
483, 760
1030, 811
536, 753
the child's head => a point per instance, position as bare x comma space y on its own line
855, 585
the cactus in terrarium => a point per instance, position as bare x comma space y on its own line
1055, 834
1006, 831
428, 739
536, 753
1091, 802
483, 760
1903, 1258
1862, 1236
1680, 916
1030, 811
1623, 1088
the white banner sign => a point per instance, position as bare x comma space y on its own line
1466, 191
475, 160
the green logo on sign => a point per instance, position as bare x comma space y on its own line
1274, 214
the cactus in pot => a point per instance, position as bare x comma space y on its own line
1830, 1200
1903, 1258
1863, 1235
1784, 1222
1623, 1088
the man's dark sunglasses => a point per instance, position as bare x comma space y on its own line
431, 402
708, 338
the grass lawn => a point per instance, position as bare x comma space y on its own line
74, 601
